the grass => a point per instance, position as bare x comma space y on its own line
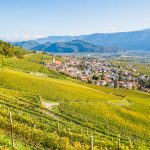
83, 110
50, 88
140, 67
30, 67
42, 57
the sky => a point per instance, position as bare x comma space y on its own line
31, 19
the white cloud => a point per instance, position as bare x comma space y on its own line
20, 37
111, 29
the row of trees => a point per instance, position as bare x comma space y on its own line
9, 50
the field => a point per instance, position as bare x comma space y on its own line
41, 57
31, 64
50, 88
143, 68
116, 118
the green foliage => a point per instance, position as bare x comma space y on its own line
83, 110
116, 83
95, 77
140, 67
41, 57
50, 88
9, 50
1, 61
30, 66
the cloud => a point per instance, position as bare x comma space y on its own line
23, 37
112, 29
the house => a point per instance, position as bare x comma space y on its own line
102, 82
85, 78
57, 62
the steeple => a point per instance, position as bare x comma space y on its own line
53, 59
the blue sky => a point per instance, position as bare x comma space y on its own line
28, 19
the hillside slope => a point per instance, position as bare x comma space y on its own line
82, 110
135, 40
9, 50
75, 46
26, 44
104, 114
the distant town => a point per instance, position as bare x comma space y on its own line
101, 72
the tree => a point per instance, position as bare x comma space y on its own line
95, 77
9, 50
1, 61
103, 76
116, 83
120, 78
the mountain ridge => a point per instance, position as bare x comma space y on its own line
132, 40
75, 46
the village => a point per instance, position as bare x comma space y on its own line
100, 72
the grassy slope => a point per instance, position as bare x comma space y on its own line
129, 117
31, 124
106, 112
50, 88
31, 64
41, 57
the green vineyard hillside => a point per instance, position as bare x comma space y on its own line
52, 111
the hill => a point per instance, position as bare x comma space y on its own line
9, 50
75, 46
26, 44
52, 111
54, 39
82, 110
134, 40
42, 47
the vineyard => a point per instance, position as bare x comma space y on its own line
38, 57
31, 64
140, 67
117, 119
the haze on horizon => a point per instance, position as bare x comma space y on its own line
31, 19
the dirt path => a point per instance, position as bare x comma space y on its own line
49, 105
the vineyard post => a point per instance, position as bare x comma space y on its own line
81, 131
34, 127
58, 126
119, 142
130, 143
26, 145
69, 130
12, 138
91, 142
87, 131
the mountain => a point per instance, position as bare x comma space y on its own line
42, 47
75, 46
26, 44
134, 40
54, 39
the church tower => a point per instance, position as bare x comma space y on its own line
53, 59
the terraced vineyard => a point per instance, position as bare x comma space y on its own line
116, 118
36, 126
50, 88
30, 66
38, 57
